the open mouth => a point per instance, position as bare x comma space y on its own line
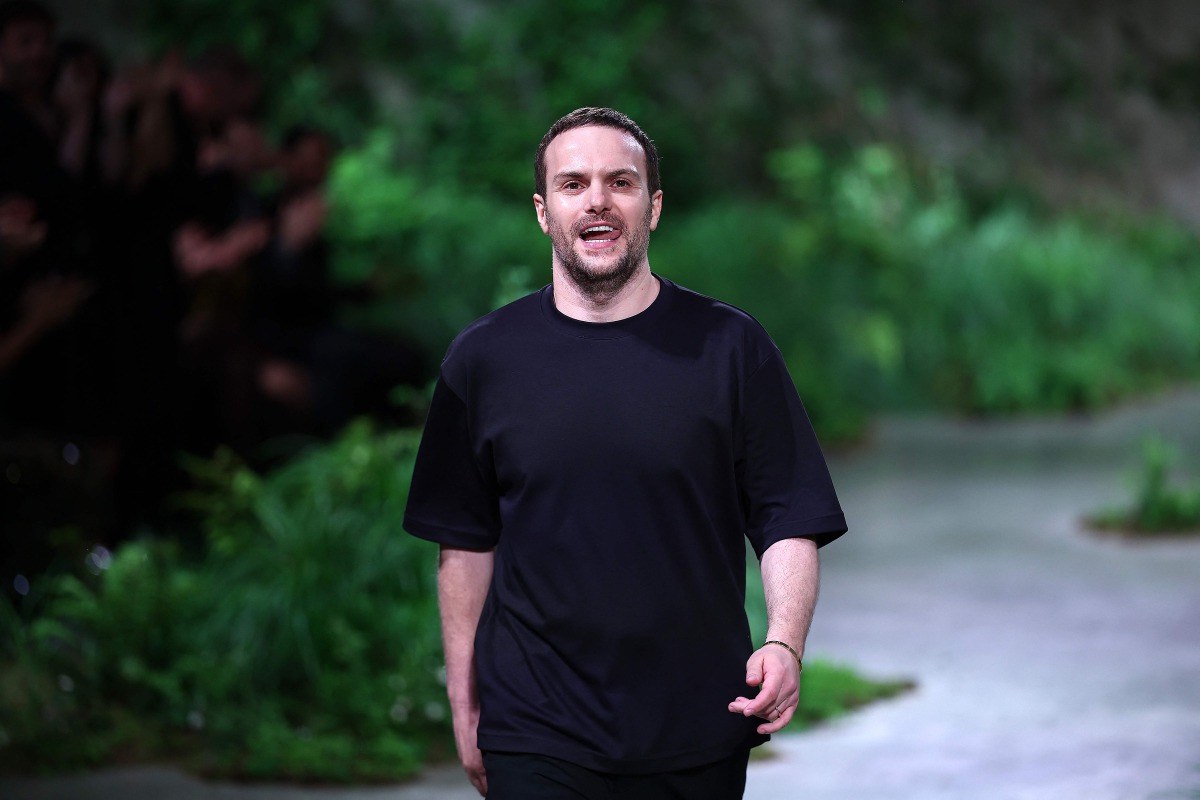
599, 236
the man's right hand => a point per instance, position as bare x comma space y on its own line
463, 580
466, 728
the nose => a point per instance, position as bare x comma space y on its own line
597, 197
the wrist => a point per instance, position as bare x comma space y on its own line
784, 645
461, 693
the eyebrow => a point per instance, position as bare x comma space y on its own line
577, 175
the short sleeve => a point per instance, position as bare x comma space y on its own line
452, 499
784, 482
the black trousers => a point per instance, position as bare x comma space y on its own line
523, 776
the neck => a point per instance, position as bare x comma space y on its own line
632, 298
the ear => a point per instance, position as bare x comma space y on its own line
539, 206
655, 209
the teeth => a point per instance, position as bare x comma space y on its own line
599, 229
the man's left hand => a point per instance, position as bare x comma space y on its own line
775, 671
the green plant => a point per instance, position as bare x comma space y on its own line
442, 255
303, 644
829, 690
887, 281
993, 311
1160, 506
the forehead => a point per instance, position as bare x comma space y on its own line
594, 147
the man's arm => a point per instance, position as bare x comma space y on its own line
463, 580
790, 575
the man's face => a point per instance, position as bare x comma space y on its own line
598, 211
26, 55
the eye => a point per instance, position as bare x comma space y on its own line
622, 183
572, 185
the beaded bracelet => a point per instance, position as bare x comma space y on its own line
789, 648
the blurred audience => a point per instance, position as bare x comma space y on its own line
321, 372
164, 283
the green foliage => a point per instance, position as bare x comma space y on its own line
297, 46
304, 644
1160, 506
881, 286
1056, 316
469, 89
441, 254
883, 289
990, 312
741, 253
885, 283
828, 691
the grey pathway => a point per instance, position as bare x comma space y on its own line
1051, 663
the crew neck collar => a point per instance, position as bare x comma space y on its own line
617, 329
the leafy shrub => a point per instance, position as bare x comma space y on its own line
991, 312
1160, 505
884, 286
739, 253
829, 690
304, 644
440, 252
881, 287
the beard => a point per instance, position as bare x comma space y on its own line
595, 279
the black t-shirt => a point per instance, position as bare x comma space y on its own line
617, 469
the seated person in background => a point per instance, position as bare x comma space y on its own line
215, 251
57, 433
30, 306
29, 123
322, 373
44, 241
292, 296
163, 220
78, 88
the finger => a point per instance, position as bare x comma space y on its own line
780, 722
479, 781
739, 704
768, 696
754, 670
783, 703
477, 775
774, 710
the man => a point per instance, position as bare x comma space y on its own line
45, 296
29, 126
27, 58
593, 457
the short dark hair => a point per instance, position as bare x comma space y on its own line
13, 11
604, 117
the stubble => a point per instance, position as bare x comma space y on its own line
598, 280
